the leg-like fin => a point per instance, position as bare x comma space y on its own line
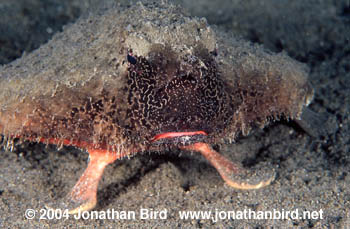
234, 175
83, 196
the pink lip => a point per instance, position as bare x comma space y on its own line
176, 134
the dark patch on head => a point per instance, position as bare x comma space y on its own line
166, 94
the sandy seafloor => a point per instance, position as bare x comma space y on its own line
313, 174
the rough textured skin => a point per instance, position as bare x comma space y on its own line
165, 95
183, 76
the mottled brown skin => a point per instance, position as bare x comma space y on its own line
161, 94
164, 95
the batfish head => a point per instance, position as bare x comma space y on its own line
171, 93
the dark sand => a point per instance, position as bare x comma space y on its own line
312, 172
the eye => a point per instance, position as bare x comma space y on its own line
131, 59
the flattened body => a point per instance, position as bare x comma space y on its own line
183, 76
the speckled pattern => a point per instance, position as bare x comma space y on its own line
313, 173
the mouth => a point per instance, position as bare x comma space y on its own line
184, 138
